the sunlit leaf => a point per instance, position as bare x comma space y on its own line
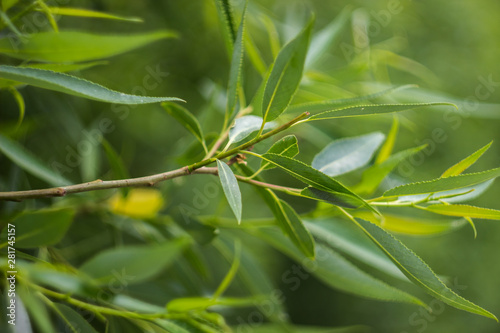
286, 75
40, 228
347, 154
231, 188
80, 12
245, 126
73, 85
464, 211
416, 270
443, 184
461, 166
75, 46
134, 263
29, 162
386, 149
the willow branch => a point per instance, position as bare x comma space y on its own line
153, 179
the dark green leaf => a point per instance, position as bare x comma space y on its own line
286, 75
186, 119
74, 46
235, 72
231, 188
73, 321
225, 13
73, 85
286, 146
41, 228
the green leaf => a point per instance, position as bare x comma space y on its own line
443, 184
225, 14
312, 177
286, 146
335, 271
37, 310
79, 12
293, 227
7, 4
461, 166
29, 162
201, 303
4, 18
73, 85
40, 228
286, 75
326, 37
20, 103
327, 105
231, 188
136, 263
465, 211
50, 17
374, 175
386, 150
414, 226
75, 46
368, 110
117, 166
245, 126
231, 273
186, 119
235, 72
348, 154
73, 321
416, 270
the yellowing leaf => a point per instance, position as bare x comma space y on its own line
140, 203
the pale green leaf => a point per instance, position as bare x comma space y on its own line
235, 72
416, 270
40, 228
29, 162
368, 110
337, 272
347, 154
285, 75
464, 211
231, 188
80, 12
327, 105
245, 126
201, 303
311, 176
75, 46
286, 146
386, 149
443, 184
7, 4
73, 85
186, 119
138, 263
461, 166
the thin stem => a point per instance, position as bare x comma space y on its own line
140, 181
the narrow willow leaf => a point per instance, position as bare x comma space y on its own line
443, 184
231, 188
73, 85
225, 13
328, 105
79, 12
20, 103
245, 126
231, 273
139, 262
386, 150
73, 321
201, 303
326, 38
50, 17
186, 119
461, 166
334, 198
311, 176
235, 72
348, 154
368, 110
293, 227
337, 272
29, 162
343, 236
37, 310
286, 75
74, 46
465, 211
286, 146
374, 175
117, 166
4, 18
272, 34
414, 226
416, 270
41, 228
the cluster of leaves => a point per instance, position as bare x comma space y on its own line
350, 225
